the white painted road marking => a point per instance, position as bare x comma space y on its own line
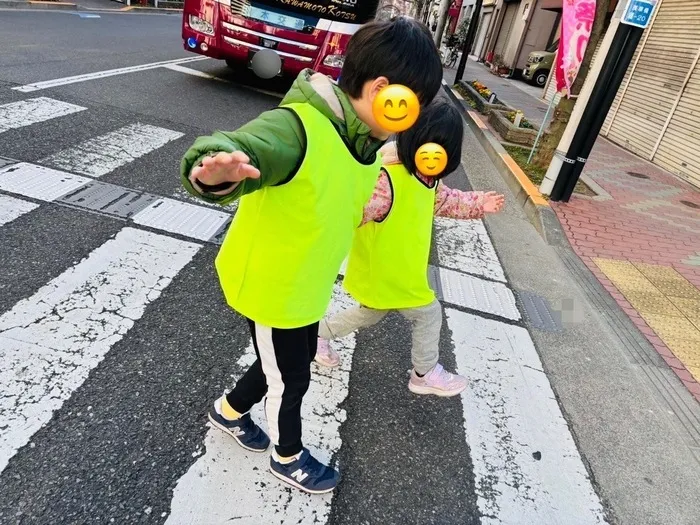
11, 208
102, 74
101, 155
526, 464
50, 341
38, 182
478, 294
465, 246
227, 473
209, 76
32, 111
197, 222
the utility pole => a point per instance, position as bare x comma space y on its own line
469, 40
442, 20
596, 97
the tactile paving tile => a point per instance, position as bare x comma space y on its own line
476, 294
669, 281
652, 301
38, 182
624, 275
108, 199
668, 327
196, 222
537, 312
689, 307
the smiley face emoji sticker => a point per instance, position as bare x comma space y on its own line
395, 108
431, 159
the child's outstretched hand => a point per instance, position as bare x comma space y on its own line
225, 167
493, 202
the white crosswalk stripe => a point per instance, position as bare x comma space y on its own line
101, 155
49, 342
32, 111
11, 208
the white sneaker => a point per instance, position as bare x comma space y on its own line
438, 382
325, 355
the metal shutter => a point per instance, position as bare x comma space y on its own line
658, 78
677, 151
506, 29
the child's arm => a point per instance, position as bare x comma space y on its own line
379, 205
457, 204
266, 151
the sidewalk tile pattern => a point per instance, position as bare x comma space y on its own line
643, 245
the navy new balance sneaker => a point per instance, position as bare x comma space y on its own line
248, 435
306, 473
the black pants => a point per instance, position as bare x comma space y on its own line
282, 371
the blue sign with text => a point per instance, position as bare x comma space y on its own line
638, 13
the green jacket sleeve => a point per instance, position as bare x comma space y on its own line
275, 143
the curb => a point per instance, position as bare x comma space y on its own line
528, 197
36, 4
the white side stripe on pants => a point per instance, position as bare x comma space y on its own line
50, 341
273, 375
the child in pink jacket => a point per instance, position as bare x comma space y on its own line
388, 263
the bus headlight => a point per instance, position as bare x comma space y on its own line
201, 26
334, 61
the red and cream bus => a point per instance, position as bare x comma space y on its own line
303, 33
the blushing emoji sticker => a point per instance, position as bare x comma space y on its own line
431, 159
396, 108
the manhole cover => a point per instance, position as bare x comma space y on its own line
637, 175
693, 205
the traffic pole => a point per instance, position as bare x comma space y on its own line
468, 40
611, 75
598, 93
442, 21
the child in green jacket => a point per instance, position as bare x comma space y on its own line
295, 223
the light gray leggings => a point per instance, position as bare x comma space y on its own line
426, 322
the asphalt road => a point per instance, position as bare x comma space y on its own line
115, 339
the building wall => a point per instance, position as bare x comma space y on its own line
516, 33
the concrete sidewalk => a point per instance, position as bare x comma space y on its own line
515, 93
642, 241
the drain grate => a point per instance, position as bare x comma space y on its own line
637, 175
108, 199
693, 205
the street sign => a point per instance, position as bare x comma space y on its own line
638, 13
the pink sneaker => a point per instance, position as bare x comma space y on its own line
325, 355
438, 382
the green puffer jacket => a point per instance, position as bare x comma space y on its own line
275, 142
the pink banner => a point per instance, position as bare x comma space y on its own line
576, 24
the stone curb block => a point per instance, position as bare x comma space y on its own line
528, 197
37, 5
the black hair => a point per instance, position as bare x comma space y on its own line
439, 122
400, 49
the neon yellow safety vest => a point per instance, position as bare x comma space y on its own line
388, 264
281, 255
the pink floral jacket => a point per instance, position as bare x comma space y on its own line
449, 202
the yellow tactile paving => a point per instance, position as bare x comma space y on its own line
668, 303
